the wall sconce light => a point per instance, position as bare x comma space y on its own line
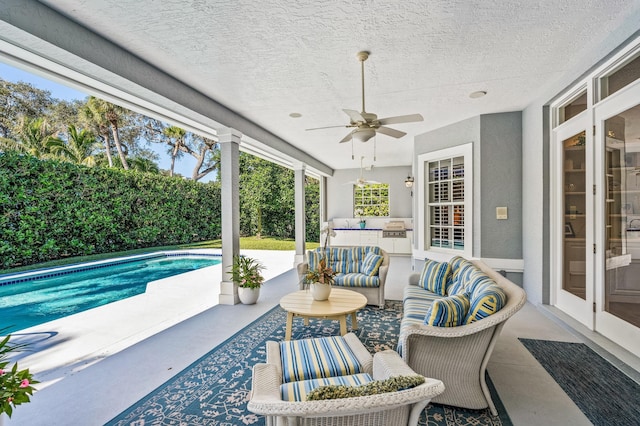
408, 182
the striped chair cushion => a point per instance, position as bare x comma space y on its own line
416, 308
415, 292
314, 257
356, 280
370, 264
404, 324
297, 391
461, 275
454, 263
448, 312
487, 300
317, 358
476, 282
456, 287
434, 276
361, 251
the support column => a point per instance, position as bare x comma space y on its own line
229, 140
323, 200
300, 207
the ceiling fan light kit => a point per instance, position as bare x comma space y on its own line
367, 124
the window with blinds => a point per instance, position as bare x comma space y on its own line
446, 203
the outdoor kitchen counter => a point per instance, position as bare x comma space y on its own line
373, 237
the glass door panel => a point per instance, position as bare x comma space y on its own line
622, 216
574, 198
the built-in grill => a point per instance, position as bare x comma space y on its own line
394, 229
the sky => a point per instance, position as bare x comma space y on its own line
183, 166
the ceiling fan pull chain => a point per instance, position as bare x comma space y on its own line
374, 148
352, 157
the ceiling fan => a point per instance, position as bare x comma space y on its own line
361, 181
367, 124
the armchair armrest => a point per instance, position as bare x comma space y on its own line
388, 363
414, 279
265, 383
302, 269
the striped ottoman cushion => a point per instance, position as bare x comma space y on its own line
317, 358
297, 391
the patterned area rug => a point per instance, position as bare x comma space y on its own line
602, 392
214, 390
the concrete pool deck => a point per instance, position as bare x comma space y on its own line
67, 345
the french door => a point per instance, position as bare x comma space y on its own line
574, 213
596, 252
617, 273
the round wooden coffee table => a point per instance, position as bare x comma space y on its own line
340, 304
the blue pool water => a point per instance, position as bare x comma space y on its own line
37, 301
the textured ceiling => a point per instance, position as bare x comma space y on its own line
267, 59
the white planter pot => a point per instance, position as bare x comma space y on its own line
320, 291
248, 296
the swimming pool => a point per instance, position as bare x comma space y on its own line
31, 300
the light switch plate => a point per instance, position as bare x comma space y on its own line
501, 213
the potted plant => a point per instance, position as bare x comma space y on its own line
245, 272
320, 279
361, 221
15, 385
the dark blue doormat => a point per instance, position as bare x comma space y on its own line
602, 392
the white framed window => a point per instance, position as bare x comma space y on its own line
446, 200
371, 200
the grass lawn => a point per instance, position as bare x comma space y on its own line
246, 243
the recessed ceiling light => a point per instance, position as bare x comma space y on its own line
295, 115
478, 94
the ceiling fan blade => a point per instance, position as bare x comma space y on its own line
347, 138
326, 127
411, 118
390, 132
354, 115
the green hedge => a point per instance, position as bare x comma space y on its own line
51, 209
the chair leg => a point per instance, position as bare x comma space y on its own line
487, 396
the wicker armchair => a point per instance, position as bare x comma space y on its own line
393, 408
459, 355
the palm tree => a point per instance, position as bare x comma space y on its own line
79, 148
177, 142
35, 138
144, 165
105, 111
92, 117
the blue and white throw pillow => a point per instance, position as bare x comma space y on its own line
434, 276
449, 311
370, 264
